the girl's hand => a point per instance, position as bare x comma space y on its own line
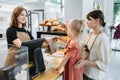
56, 70
80, 64
56, 37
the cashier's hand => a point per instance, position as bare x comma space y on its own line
56, 70
48, 41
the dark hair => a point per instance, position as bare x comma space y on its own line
16, 12
97, 14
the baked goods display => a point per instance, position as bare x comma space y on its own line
61, 28
54, 24
51, 22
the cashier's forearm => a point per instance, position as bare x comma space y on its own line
17, 42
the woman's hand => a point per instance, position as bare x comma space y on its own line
80, 64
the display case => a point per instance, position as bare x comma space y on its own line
14, 63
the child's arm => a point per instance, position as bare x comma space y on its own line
62, 64
61, 38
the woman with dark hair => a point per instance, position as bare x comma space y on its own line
17, 33
97, 46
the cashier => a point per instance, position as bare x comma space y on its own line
17, 32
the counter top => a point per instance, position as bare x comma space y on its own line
51, 61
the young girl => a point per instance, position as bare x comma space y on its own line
72, 54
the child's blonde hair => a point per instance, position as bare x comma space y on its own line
77, 26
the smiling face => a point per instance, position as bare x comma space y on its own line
19, 16
22, 17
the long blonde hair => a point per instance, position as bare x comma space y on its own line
77, 26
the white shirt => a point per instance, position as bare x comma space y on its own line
100, 54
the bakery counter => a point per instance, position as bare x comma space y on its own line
51, 61
39, 33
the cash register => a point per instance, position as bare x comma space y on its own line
35, 56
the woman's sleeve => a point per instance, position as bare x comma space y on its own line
11, 35
103, 54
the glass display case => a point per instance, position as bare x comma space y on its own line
14, 63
